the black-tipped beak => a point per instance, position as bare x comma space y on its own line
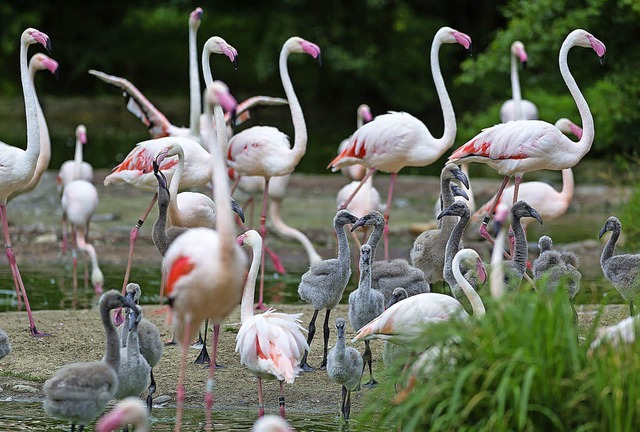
320, 59
235, 62
156, 167
462, 177
233, 116
360, 222
458, 191
536, 216
602, 60
445, 212
48, 47
524, 65
602, 231
56, 73
470, 50
133, 317
237, 209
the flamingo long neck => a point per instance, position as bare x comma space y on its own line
567, 184
286, 231
133, 342
375, 236
521, 250
364, 284
588, 130
452, 248
450, 128
159, 231
246, 308
472, 295
174, 186
89, 249
515, 86
31, 111
610, 247
299, 126
343, 242
112, 351
447, 197
77, 160
45, 141
195, 96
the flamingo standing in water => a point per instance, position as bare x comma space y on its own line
522, 146
395, 140
517, 108
17, 166
205, 271
270, 344
137, 167
264, 150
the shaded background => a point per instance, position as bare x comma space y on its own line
373, 51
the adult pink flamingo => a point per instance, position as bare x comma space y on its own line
38, 62
17, 166
357, 171
550, 203
522, 146
137, 167
264, 150
205, 271
270, 344
395, 140
517, 108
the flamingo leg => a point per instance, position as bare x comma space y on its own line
385, 233
281, 400
483, 228
63, 246
235, 185
203, 357
74, 255
260, 401
325, 349
347, 405
367, 357
263, 234
180, 391
344, 399
152, 390
15, 272
118, 317
346, 202
208, 397
312, 331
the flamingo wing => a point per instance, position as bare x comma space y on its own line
258, 151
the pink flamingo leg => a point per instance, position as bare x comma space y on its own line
235, 185
385, 233
75, 273
483, 228
208, 397
63, 247
263, 234
118, 317
15, 272
260, 401
180, 391
346, 202
281, 400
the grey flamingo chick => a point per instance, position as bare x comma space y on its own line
134, 373
323, 284
128, 411
623, 271
151, 345
388, 275
5, 345
79, 392
556, 268
344, 366
428, 252
365, 304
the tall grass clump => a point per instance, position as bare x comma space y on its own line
520, 367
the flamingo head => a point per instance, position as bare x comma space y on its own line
545, 243
237, 209
344, 217
340, 324
81, 134
364, 112
195, 18
224, 97
133, 291
612, 224
365, 255
397, 295
452, 171
481, 271
130, 410
160, 177
374, 217
298, 45
567, 126
31, 36
160, 156
458, 191
97, 279
217, 45
521, 209
517, 49
249, 238
458, 208
449, 35
585, 39
112, 299
42, 61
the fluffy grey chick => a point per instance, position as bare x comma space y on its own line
79, 392
556, 269
388, 275
623, 271
428, 252
134, 373
365, 304
323, 284
344, 366
5, 345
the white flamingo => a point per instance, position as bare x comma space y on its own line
517, 108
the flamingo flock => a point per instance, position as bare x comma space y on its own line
206, 274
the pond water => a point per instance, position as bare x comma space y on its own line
29, 416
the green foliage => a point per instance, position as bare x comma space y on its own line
520, 367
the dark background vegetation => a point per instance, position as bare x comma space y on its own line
373, 51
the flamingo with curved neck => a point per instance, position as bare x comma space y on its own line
522, 146
517, 108
393, 141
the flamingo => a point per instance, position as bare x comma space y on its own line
205, 271
270, 344
357, 171
550, 203
79, 203
17, 166
38, 62
522, 146
137, 167
517, 108
395, 140
264, 150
